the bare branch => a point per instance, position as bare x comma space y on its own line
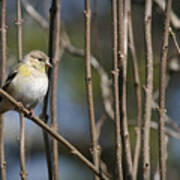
23, 173
148, 91
94, 143
123, 42
3, 76
138, 96
174, 39
54, 58
162, 88
34, 14
115, 74
173, 17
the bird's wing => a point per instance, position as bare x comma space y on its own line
9, 79
11, 76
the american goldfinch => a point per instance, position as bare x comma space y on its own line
27, 82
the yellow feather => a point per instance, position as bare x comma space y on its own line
24, 70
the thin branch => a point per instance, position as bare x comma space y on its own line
138, 96
30, 10
54, 134
23, 173
3, 76
174, 39
173, 17
54, 57
94, 143
115, 75
148, 91
162, 89
123, 42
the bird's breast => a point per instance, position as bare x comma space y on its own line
30, 90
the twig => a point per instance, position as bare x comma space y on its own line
94, 143
115, 76
148, 91
54, 134
162, 88
99, 126
54, 57
174, 39
23, 173
138, 96
29, 8
122, 33
173, 17
3, 76
171, 132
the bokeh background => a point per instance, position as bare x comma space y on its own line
71, 97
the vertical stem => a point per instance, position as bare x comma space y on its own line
3, 75
94, 149
138, 96
148, 91
22, 148
122, 55
22, 119
55, 59
115, 74
162, 91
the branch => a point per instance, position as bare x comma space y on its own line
173, 17
174, 39
54, 134
34, 14
54, 55
138, 96
3, 76
94, 143
115, 76
148, 91
22, 120
122, 58
162, 88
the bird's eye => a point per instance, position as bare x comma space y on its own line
40, 59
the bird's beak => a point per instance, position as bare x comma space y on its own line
48, 64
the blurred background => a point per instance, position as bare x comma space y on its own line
72, 103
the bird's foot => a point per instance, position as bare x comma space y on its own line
31, 113
20, 106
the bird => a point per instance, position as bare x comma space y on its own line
27, 82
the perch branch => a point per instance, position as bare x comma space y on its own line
54, 134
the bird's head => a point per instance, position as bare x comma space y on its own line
38, 60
